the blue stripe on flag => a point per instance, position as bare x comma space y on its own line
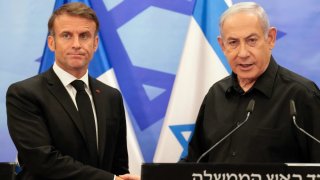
207, 14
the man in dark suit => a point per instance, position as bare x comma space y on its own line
54, 137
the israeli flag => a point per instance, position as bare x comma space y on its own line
100, 67
202, 64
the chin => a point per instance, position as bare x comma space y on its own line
78, 65
246, 76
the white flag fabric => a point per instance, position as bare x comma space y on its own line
201, 65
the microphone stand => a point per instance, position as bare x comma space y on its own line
249, 111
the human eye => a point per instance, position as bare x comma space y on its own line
252, 41
233, 43
66, 35
84, 36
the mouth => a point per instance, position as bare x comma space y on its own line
245, 67
76, 55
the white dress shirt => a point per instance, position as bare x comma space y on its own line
66, 78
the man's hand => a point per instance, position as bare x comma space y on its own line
129, 177
118, 178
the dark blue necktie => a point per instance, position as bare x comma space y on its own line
87, 117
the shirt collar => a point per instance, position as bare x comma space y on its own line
66, 78
264, 84
266, 81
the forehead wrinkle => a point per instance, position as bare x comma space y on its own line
248, 36
70, 23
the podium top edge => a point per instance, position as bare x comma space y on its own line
303, 164
235, 164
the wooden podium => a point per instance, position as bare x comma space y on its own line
206, 171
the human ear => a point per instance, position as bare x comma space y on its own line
51, 43
220, 41
272, 35
95, 43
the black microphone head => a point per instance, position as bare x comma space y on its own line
293, 111
250, 106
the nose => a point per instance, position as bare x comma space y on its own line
76, 43
243, 50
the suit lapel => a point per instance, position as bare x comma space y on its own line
100, 107
58, 90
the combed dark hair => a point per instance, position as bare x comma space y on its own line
73, 9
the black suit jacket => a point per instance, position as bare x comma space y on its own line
45, 128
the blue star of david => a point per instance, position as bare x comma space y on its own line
131, 78
177, 130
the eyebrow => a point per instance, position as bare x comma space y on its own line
250, 35
80, 32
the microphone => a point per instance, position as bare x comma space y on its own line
249, 110
293, 113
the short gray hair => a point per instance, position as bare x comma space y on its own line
250, 7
